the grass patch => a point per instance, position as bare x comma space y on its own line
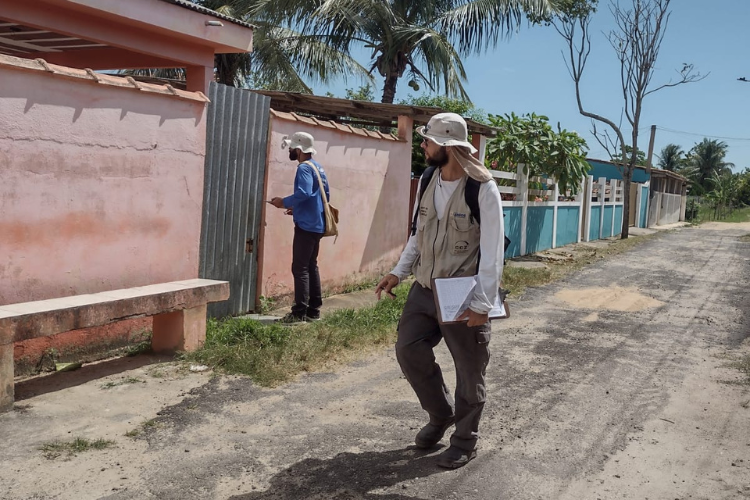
125, 381
71, 448
274, 353
706, 214
743, 365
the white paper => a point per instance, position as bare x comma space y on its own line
455, 294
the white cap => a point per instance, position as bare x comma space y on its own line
447, 129
299, 140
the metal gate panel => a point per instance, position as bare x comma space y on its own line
236, 145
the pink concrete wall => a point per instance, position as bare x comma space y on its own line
101, 189
369, 179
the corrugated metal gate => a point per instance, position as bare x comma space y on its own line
236, 142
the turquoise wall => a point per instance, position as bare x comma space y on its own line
513, 230
607, 226
610, 171
539, 229
644, 206
594, 229
567, 225
618, 219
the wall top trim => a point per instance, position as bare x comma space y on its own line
127, 83
294, 117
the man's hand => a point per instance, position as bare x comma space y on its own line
277, 202
475, 319
289, 211
388, 283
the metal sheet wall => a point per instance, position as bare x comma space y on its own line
236, 146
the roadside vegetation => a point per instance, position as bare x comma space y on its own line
71, 448
274, 353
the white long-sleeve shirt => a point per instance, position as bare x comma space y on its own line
491, 241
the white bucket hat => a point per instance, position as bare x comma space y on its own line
447, 129
300, 140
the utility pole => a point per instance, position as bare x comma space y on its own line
651, 149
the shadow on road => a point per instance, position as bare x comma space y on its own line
349, 476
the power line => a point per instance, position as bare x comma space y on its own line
703, 135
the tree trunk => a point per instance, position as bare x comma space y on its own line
389, 88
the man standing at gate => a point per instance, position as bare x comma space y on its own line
306, 207
446, 242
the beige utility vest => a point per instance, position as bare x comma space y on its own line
447, 247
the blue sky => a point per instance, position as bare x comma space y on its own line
526, 73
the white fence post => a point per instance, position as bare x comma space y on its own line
580, 198
523, 190
615, 186
554, 214
638, 195
588, 193
602, 197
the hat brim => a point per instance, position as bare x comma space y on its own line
446, 141
287, 144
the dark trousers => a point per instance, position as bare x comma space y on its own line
308, 296
418, 333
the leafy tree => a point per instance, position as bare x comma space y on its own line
424, 40
743, 188
636, 39
283, 58
458, 106
530, 140
706, 158
640, 157
671, 157
363, 93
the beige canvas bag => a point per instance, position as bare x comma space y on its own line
331, 213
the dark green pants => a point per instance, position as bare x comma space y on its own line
418, 333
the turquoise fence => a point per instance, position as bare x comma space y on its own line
539, 228
567, 225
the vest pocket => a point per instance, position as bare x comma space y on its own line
460, 234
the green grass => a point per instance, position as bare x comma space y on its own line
71, 448
274, 353
706, 214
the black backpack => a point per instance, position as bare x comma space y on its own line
471, 197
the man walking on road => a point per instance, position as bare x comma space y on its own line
447, 242
306, 207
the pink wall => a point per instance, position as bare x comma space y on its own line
101, 189
369, 180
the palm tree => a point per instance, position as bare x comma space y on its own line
707, 157
671, 157
282, 58
424, 39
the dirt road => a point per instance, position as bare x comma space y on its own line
614, 383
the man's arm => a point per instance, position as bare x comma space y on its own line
302, 187
491, 244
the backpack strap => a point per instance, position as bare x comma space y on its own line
471, 197
426, 177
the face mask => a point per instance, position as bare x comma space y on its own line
293, 155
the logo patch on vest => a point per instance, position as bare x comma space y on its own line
458, 215
423, 211
461, 247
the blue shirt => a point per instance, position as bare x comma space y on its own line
306, 201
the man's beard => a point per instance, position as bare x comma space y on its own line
440, 159
293, 155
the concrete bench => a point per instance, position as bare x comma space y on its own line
178, 308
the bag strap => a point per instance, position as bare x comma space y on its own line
320, 181
426, 176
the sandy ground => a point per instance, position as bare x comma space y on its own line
614, 383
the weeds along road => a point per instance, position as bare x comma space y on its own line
613, 383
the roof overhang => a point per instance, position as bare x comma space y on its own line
359, 113
117, 34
